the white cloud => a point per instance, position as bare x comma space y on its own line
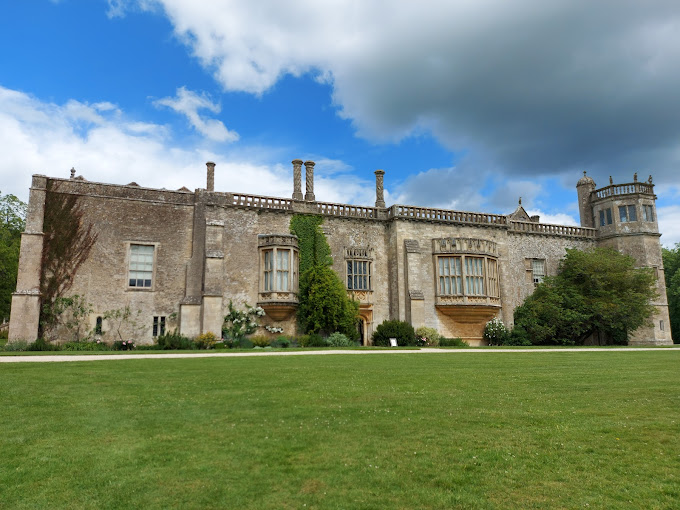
188, 103
537, 87
554, 219
101, 142
669, 225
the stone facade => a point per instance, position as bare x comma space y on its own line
180, 257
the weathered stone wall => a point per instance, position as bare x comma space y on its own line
122, 215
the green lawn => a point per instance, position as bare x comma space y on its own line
510, 430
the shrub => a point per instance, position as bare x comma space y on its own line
518, 336
400, 330
4, 334
16, 345
206, 340
260, 341
427, 336
453, 342
96, 345
495, 332
313, 340
174, 341
123, 345
340, 340
244, 343
42, 345
282, 342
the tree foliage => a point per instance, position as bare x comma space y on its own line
12, 224
324, 305
599, 291
671, 264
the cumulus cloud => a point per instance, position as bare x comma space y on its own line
188, 103
537, 87
100, 141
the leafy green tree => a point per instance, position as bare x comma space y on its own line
324, 305
671, 264
12, 224
599, 292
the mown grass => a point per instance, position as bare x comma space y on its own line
511, 430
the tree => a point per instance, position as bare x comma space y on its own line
324, 305
671, 264
596, 292
12, 224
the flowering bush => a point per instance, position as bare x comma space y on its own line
495, 332
123, 345
206, 340
274, 329
240, 323
427, 336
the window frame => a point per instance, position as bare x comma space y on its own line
537, 278
159, 322
352, 276
271, 276
471, 273
129, 270
647, 212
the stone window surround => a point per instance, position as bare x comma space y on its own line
538, 272
128, 251
272, 244
606, 214
158, 327
627, 213
356, 256
464, 247
647, 212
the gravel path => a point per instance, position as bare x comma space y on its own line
425, 350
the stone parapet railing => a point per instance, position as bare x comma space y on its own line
624, 189
530, 227
445, 215
259, 202
352, 211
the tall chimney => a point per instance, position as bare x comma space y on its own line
211, 176
297, 179
309, 178
379, 188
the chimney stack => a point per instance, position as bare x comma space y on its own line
211, 176
379, 189
309, 178
297, 179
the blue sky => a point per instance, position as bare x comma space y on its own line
465, 105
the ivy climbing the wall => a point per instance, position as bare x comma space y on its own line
324, 305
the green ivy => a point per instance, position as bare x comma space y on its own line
324, 306
312, 242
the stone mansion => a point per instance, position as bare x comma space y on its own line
180, 256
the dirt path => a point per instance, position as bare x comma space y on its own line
425, 350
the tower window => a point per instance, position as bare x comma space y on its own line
627, 213
605, 217
648, 212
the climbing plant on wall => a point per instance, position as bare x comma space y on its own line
67, 242
324, 305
